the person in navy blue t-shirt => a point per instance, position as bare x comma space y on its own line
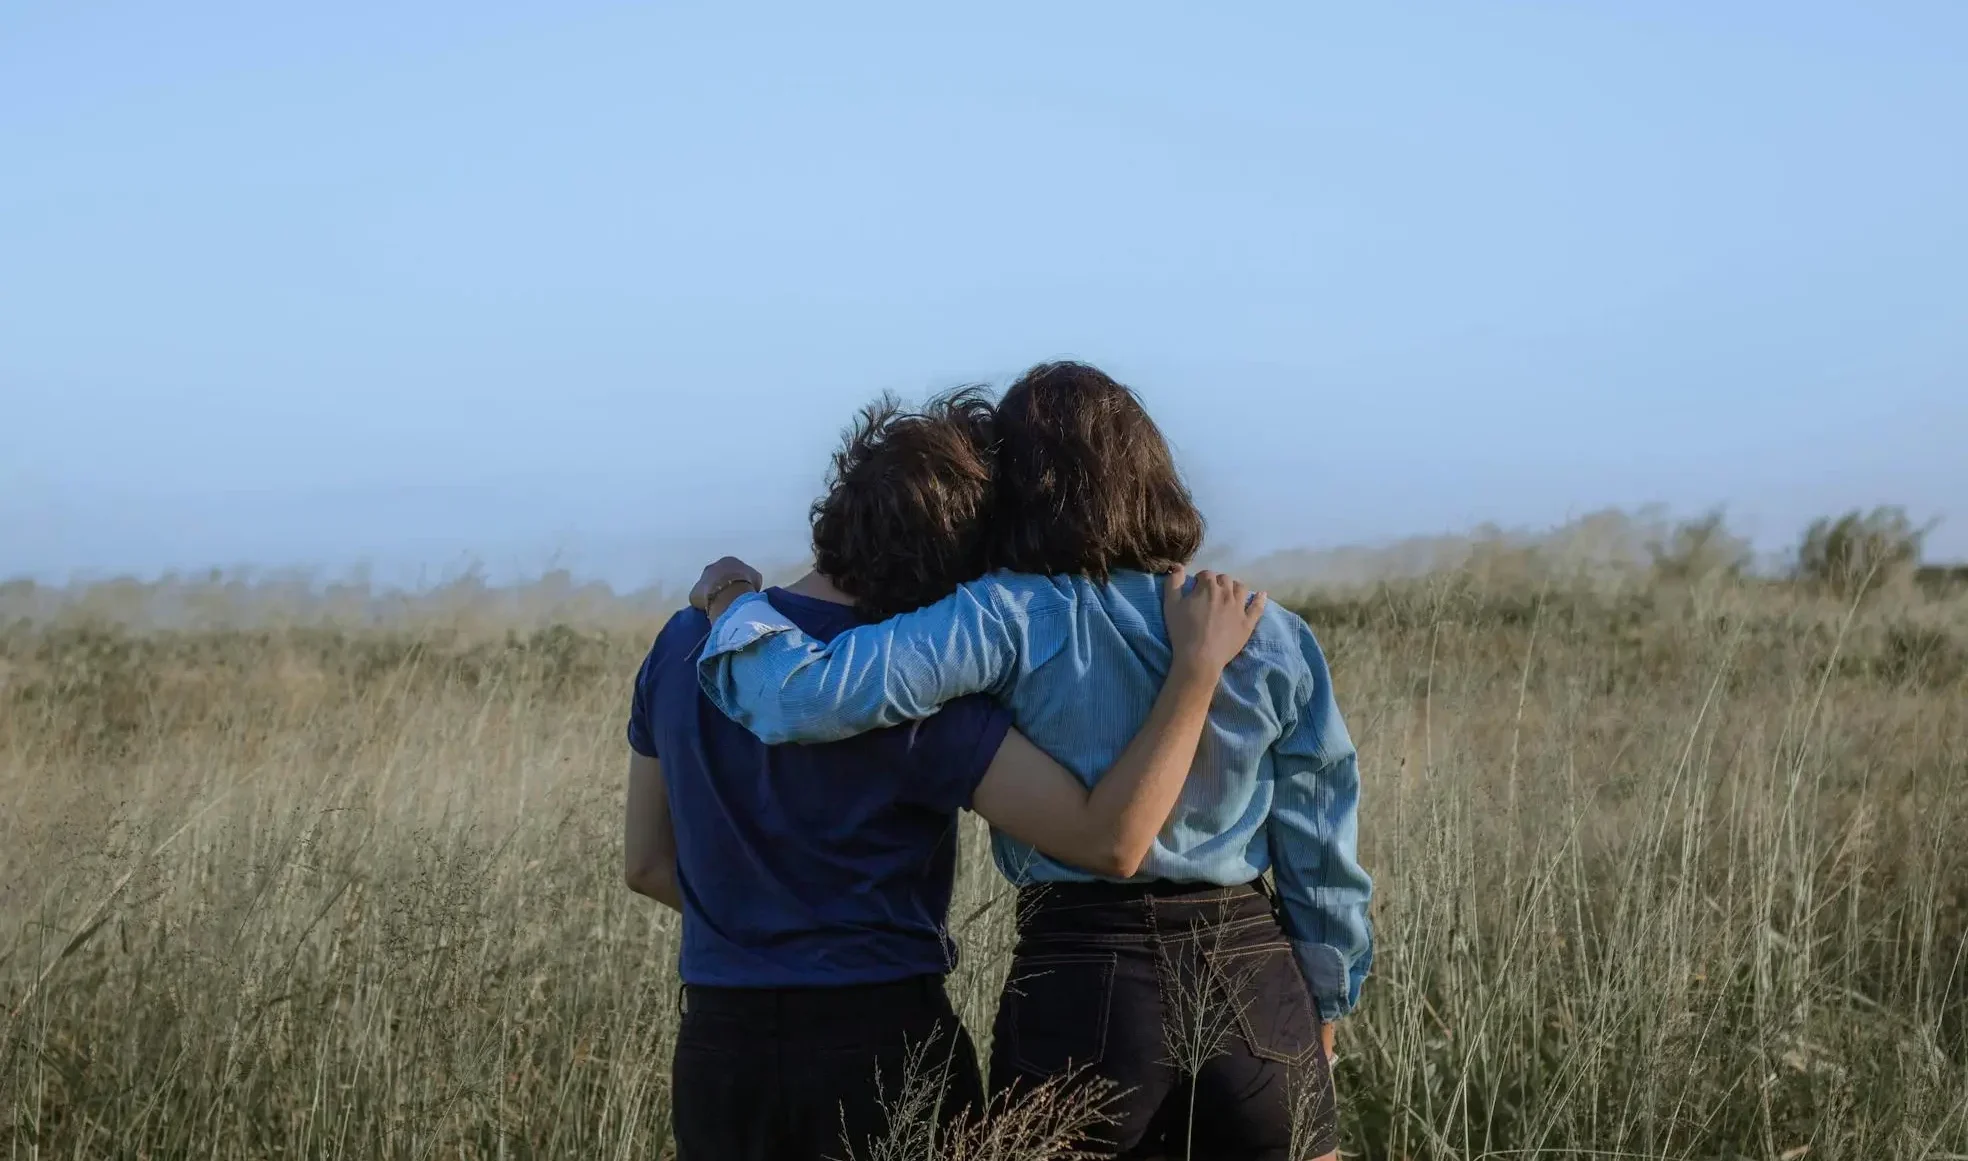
815, 881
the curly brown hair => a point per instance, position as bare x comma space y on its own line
1085, 483
902, 523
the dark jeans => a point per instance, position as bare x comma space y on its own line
800, 1074
1188, 999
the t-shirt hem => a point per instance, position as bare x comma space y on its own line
742, 980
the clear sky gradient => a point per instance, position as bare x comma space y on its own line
599, 284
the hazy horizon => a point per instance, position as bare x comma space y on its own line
1606, 542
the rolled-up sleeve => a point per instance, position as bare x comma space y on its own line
1314, 842
761, 671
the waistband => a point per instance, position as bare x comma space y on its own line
1050, 895
1056, 915
815, 1003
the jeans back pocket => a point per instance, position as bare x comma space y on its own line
1052, 1017
1274, 1007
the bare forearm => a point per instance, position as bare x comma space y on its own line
1106, 830
1109, 829
1133, 799
649, 838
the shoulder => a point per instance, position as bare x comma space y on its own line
1283, 639
1020, 594
681, 636
670, 659
1280, 628
1122, 591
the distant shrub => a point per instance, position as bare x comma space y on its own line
1695, 550
1859, 550
1920, 656
1942, 579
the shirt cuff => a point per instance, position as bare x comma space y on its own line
750, 619
1324, 969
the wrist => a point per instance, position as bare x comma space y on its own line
1190, 670
725, 593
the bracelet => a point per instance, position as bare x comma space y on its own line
711, 597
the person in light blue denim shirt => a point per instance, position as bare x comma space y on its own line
1070, 638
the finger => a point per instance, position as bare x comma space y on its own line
1172, 587
1256, 608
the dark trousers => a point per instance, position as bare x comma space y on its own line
800, 1074
1188, 1000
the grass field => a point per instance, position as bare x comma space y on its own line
1661, 872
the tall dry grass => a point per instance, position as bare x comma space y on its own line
1662, 872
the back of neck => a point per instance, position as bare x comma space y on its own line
820, 589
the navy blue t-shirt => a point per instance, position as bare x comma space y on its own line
805, 866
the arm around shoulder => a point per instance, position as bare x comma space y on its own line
760, 670
1109, 829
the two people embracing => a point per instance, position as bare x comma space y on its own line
999, 619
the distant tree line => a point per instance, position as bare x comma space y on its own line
1845, 555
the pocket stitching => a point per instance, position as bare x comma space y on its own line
1247, 1026
1108, 961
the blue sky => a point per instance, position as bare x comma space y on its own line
598, 284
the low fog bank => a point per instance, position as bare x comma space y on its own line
1609, 549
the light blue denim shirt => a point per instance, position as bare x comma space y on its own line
1275, 785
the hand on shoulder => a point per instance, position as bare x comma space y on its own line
1210, 624
723, 581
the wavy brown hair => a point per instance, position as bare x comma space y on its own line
1085, 482
908, 497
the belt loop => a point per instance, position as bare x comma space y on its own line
682, 1004
1271, 896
